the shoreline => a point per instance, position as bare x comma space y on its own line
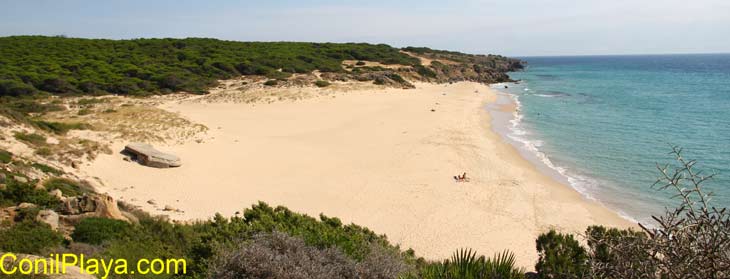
506, 123
379, 158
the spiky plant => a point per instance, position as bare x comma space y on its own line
466, 264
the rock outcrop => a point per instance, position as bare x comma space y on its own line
49, 217
147, 155
93, 205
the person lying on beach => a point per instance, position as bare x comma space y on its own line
461, 178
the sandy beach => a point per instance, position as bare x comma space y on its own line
381, 158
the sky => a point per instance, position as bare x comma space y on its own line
508, 27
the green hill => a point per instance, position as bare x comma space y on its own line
30, 64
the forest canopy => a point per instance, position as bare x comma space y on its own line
59, 65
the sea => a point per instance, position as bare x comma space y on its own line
603, 124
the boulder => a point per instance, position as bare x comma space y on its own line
26, 205
20, 179
8, 214
49, 217
147, 155
93, 205
56, 193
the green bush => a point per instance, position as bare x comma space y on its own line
271, 82
98, 230
322, 83
29, 237
278, 75
60, 127
84, 111
560, 256
278, 255
68, 187
34, 139
5, 156
43, 151
396, 77
465, 264
47, 169
16, 192
15, 88
425, 72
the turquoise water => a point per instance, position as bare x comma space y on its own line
604, 122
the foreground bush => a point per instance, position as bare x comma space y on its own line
278, 255
16, 192
28, 237
99, 230
560, 256
690, 241
465, 264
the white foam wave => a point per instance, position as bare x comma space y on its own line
545, 95
518, 133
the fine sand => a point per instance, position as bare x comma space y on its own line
380, 158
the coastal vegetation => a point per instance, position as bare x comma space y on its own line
59, 65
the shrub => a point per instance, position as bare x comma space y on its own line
278, 255
60, 127
56, 85
271, 82
396, 77
618, 253
322, 83
29, 237
689, 241
43, 151
47, 169
278, 75
16, 192
424, 71
360, 63
560, 256
352, 239
15, 88
68, 187
5, 156
465, 263
98, 230
33, 138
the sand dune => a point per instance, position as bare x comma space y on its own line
380, 158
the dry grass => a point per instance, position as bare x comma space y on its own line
130, 119
353, 63
250, 90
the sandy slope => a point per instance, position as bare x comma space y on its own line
379, 158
